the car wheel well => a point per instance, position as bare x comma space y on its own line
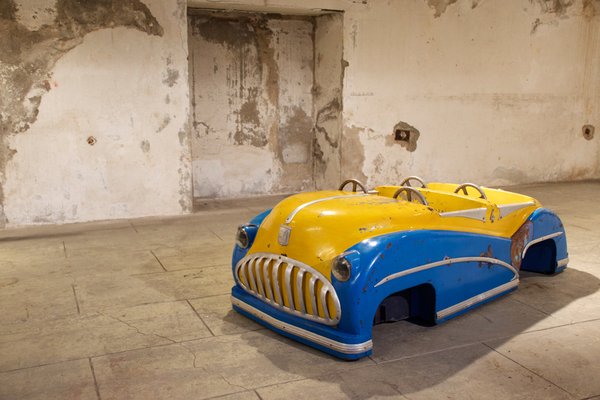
416, 304
540, 258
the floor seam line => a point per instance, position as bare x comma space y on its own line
95, 380
200, 318
427, 353
214, 233
309, 378
76, 299
522, 366
157, 259
177, 270
530, 306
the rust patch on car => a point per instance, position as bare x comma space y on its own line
489, 253
518, 242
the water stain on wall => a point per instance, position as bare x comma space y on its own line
232, 32
245, 34
249, 112
353, 154
297, 130
164, 123
330, 111
591, 8
511, 174
145, 146
294, 143
251, 109
378, 163
171, 76
440, 6
27, 59
185, 175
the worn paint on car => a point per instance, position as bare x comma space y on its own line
437, 259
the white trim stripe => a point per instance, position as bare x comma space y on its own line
303, 333
506, 209
562, 263
447, 261
477, 299
310, 203
540, 239
475, 213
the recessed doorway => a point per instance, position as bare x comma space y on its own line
266, 101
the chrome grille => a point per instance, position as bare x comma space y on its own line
289, 285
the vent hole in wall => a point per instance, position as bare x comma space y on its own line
402, 135
588, 131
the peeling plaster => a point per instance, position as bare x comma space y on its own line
145, 146
245, 34
249, 112
440, 6
26, 61
558, 7
414, 134
554, 10
231, 32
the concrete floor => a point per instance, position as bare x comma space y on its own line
140, 310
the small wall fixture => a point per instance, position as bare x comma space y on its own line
91, 140
588, 131
405, 135
402, 135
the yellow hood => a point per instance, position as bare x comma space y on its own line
326, 228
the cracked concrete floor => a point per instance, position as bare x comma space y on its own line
140, 310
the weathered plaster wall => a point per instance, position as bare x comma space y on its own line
252, 77
498, 91
328, 99
93, 110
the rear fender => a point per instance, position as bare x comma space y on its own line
546, 225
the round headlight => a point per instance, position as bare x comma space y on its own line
341, 269
241, 238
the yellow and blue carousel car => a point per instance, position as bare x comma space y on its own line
324, 267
